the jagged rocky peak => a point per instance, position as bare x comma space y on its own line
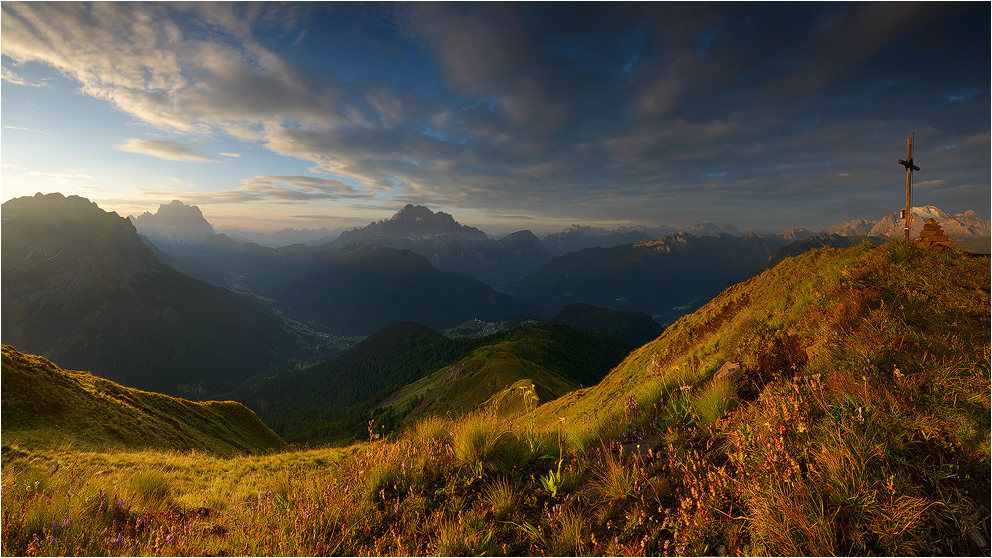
959, 227
680, 242
175, 222
419, 213
795, 233
413, 223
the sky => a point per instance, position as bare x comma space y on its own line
507, 116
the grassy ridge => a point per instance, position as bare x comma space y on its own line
554, 359
46, 406
860, 427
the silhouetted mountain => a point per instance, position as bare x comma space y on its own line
175, 223
636, 327
662, 277
451, 246
80, 288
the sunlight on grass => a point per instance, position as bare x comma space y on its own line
860, 427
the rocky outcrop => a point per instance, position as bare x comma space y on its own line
932, 236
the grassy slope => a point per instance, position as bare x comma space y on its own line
860, 428
825, 312
543, 356
44, 405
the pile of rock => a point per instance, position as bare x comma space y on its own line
932, 236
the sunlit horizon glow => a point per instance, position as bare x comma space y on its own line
507, 116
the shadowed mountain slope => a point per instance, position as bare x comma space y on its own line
635, 327
655, 276
46, 405
80, 288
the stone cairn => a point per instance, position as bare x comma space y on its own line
933, 236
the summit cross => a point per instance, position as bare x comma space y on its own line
910, 167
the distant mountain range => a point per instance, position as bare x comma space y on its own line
80, 288
580, 237
283, 237
663, 277
352, 289
962, 226
452, 246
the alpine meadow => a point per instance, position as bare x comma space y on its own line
496, 279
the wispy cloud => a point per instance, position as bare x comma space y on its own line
164, 149
9, 76
265, 189
29, 130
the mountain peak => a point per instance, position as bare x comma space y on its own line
175, 223
412, 212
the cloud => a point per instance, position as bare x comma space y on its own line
7, 75
28, 130
615, 112
268, 189
164, 149
235, 155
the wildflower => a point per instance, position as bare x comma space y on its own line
168, 539
66, 522
118, 541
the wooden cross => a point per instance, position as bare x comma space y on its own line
910, 167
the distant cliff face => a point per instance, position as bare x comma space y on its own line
175, 223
